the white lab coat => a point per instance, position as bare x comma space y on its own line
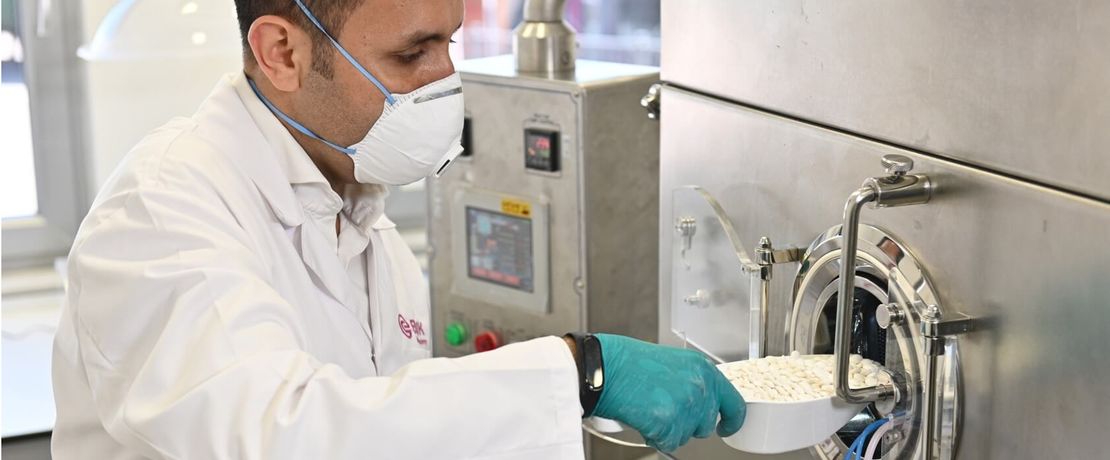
201, 323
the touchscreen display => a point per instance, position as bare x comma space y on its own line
499, 248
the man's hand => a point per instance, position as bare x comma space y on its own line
665, 393
573, 348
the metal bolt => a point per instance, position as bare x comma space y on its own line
932, 313
650, 101
698, 299
892, 437
686, 226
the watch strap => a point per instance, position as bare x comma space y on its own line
590, 369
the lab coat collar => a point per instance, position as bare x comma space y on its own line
224, 121
364, 204
277, 164
291, 157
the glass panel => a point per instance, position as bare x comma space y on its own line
608, 30
715, 286
17, 174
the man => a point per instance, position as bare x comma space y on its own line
234, 289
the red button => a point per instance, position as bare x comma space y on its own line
486, 341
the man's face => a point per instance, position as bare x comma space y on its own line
403, 43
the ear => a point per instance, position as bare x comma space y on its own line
282, 51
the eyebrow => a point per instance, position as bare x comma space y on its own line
421, 37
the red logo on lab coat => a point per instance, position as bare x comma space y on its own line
411, 327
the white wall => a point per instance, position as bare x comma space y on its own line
128, 99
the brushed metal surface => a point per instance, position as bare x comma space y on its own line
602, 205
620, 204
544, 42
1019, 86
498, 115
1033, 260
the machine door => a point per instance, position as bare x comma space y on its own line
715, 300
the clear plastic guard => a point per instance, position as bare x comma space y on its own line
715, 283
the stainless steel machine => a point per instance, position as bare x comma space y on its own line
548, 222
975, 250
539, 227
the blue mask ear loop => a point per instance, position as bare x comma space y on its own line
293, 123
343, 51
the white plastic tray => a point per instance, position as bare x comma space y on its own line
776, 427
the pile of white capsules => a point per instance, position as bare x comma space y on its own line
798, 378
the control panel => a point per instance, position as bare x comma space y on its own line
529, 234
501, 249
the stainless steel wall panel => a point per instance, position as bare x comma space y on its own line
620, 209
1018, 86
1034, 260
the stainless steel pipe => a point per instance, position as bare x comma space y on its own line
850, 234
544, 43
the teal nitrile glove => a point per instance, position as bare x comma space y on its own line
667, 394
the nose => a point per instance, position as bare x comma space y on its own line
434, 68
445, 66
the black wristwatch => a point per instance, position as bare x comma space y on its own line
591, 371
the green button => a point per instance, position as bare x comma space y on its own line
455, 334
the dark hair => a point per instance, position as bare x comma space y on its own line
331, 13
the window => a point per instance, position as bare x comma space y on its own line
17, 179
608, 30
41, 193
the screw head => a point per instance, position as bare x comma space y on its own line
897, 165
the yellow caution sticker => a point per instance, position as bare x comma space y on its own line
517, 208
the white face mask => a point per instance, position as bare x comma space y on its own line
418, 134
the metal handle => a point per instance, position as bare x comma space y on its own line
897, 189
845, 296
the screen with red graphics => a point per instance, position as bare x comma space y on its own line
499, 248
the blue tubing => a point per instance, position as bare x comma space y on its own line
861, 441
852, 448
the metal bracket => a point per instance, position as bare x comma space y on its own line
935, 332
959, 326
935, 327
767, 256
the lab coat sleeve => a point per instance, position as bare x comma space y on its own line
192, 354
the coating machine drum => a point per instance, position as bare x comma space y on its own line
887, 275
